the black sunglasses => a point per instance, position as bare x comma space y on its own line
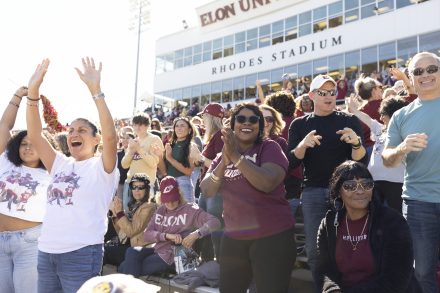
324, 93
353, 185
269, 119
243, 119
139, 187
430, 70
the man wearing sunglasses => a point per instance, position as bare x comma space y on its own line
320, 142
414, 137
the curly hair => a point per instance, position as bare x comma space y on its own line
348, 170
141, 118
13, 148
391, 104
283, 102
278, 123
254, 108
139, 177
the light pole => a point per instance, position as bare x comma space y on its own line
143, 7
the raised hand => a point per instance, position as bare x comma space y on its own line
415, 142
37, 78
230, 149
91, 75
168, 151
311, 140
348, 136
22, 91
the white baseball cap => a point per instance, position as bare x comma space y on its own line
319, 80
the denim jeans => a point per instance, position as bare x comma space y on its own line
18, 260
315, 204
214, 206
142, 261
187, 188
294, 204
66, 272
424, 223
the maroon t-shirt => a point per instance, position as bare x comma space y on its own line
214, 146
356, 266
250, 213
372, 109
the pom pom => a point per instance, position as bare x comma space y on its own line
50, 115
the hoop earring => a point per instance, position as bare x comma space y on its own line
338, 204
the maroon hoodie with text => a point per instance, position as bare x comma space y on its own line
183, 220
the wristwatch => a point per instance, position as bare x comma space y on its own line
199, 234
358, 145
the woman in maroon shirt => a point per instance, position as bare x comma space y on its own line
258, 241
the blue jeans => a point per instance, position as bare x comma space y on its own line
18, 260
294, 204
186, 187
424, 223
142, 261
214, 206
315, 204
66, 272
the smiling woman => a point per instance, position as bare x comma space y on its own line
249, 175
72, 195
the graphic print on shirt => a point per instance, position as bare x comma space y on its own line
169, 221
232, 173
136, 156
62, 188
17, 189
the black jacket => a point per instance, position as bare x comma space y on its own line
391, 246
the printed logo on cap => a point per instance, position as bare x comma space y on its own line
168, 188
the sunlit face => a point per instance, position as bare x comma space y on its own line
28, 153
358, 199
268, 121
172, 205
140, 129
139, 189
181, 129
426, 85
246, 132
324, 105
81, 141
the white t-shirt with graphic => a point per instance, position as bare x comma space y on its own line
22, 191
78, 200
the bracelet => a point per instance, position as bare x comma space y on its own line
15, 95
239, 161
35, 100
32, 105
120, 215
358, 145
14, 104
98, 96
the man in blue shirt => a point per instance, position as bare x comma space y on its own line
414, 137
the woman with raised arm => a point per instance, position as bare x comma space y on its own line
81, 189
23, 183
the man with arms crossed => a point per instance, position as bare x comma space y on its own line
414, 136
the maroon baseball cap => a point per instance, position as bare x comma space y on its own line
169, 190
214, 109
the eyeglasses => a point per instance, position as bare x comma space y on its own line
243, 119
269, 119
138, 187
430, 70
324, 93
353, 185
